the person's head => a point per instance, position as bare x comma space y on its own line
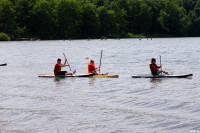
92, 61
59, 60
153, 60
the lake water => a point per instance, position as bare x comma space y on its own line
100, 105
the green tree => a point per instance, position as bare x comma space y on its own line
120, 19
113, 20
42, 22
23, 8
179, 21
187, 4
90, 19
164, 20
140, 16
61, 19
156, 7
4, 37
103, 16
173, 19
195, 18
7, 17
107, 21
197, 8
102, 2
69, 19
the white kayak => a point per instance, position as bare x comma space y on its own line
65, 76
162, 76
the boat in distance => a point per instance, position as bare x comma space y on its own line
5, 64
163, 76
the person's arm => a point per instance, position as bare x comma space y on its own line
153, 68
97, 68
63, 65
157, 67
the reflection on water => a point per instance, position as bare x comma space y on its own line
91, 81
58, 79
155, 82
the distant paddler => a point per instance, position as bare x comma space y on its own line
93, 69
156, 70
57, 68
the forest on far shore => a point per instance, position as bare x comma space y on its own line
79, 19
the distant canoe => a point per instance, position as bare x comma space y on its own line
5, 64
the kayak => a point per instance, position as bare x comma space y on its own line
163, 76
65, 76
106, 76
3, 64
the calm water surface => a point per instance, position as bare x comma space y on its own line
100, 105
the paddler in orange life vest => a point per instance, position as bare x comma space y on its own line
155, 70
93, 69
57, 68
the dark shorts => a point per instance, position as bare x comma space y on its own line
62, 73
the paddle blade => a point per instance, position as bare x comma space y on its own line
64, 55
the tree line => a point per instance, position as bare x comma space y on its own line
78, 19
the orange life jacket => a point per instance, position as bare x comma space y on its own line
91, 68
57, 68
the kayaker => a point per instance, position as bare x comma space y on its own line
57, 68
155, 70
93, 69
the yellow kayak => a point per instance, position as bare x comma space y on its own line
106, 76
